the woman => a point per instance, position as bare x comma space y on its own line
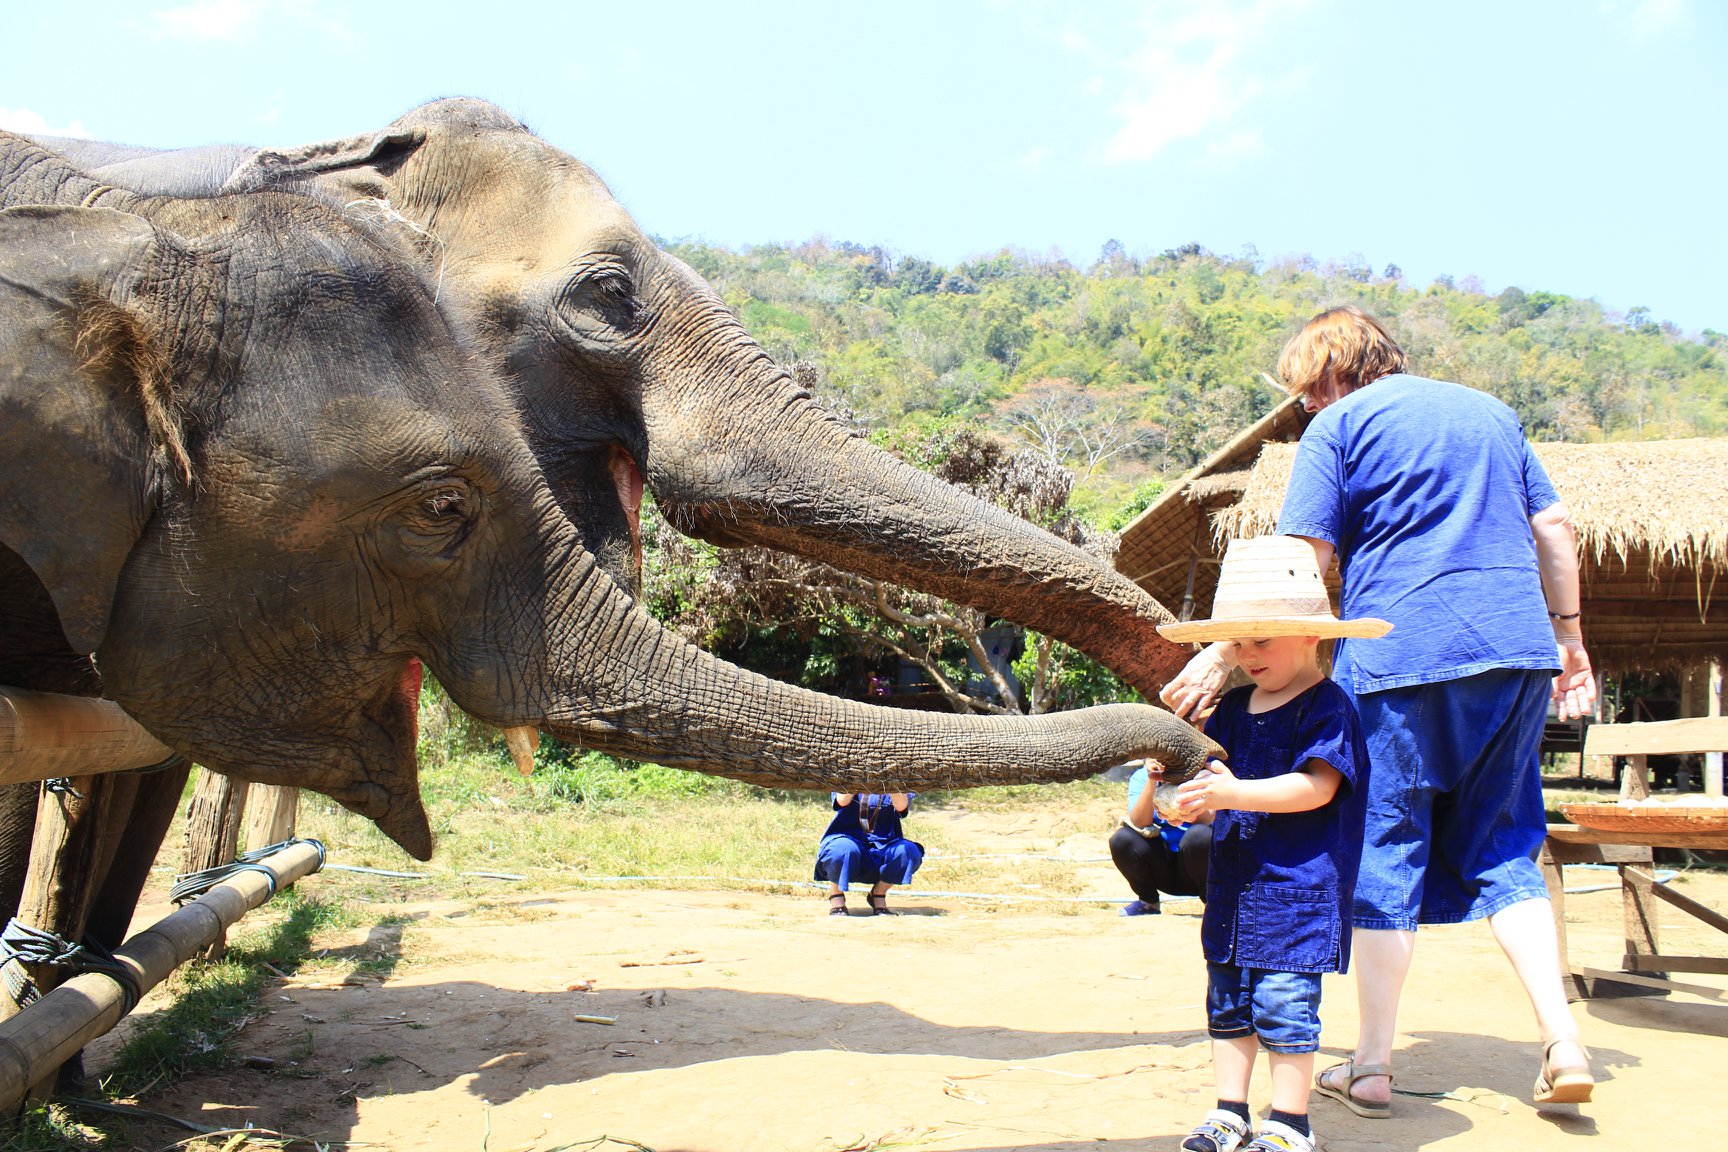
1444, 523
864, 842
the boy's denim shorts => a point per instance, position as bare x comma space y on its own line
1282, 1008
1455, 813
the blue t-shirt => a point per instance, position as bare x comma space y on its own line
1279, 885
1426, 490
1171, 833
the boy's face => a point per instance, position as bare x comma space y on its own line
1274, 662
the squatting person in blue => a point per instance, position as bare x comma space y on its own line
864, 842
1287, 817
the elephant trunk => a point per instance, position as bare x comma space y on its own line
809, 486
647, 694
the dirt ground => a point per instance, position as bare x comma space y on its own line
750, 1022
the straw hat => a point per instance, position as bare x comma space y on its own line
1271, 586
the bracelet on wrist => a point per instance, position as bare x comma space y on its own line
1564, 615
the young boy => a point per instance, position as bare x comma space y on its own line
1286, 836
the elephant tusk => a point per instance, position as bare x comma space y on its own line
522, 742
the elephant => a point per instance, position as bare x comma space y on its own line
288, 484
627, 369
255, 480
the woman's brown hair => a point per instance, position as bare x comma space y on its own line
1343, 343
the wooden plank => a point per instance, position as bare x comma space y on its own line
1667, 963
44, 735
1610, 977
1574, 834
1562, 852
1686, 904
1658, 737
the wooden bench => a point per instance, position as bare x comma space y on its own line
1644, 968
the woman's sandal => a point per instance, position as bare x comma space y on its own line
1352, 1073
1566, 1084
836, 903
879, 905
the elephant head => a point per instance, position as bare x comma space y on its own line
626, 367
257, 477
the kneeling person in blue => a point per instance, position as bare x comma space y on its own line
1287, 825
864, 843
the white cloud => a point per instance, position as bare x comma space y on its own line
1236, 146
1190, 75
244, 21
24, 121
1033, 159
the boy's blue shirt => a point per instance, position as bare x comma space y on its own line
1379, 475
1279, 887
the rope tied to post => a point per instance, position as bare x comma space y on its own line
191, 885
22, 944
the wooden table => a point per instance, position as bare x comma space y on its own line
1644, 968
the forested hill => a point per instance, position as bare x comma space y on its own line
1164, 355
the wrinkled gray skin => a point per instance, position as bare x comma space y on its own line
356, 496
625, 366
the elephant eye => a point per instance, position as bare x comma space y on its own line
602, 295
445, 504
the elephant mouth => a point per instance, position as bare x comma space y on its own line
396, 713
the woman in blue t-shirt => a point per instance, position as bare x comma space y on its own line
1444, 523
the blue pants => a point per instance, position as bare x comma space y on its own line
843, 859
1455, 813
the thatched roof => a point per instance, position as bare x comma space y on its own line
1652, 523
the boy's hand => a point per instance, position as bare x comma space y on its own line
1207, 793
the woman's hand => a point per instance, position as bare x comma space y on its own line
1214, 789
1198, 684
1575, 687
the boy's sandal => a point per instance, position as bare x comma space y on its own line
1566, 1084
879, 905
1276, 1137
1221, 1131
1352, 1072
836, 903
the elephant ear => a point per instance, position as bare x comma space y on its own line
365, 161
86, 391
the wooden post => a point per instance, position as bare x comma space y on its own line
1713, 760
68, 859
213, 830
1642, 930
270, 815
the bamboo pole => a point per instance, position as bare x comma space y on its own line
45, 734
38, 1040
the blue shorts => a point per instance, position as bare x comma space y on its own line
1455, 812
1282, 1008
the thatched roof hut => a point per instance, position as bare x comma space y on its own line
1652, 523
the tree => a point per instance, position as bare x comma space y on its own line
1071, 430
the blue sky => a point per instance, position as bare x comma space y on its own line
1577, 146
